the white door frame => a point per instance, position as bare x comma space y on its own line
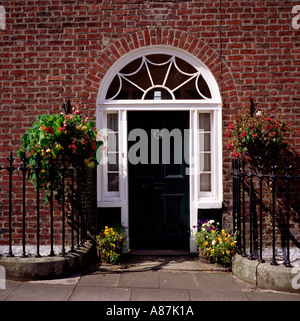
214, 106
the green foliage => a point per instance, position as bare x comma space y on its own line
62, 140
258, 136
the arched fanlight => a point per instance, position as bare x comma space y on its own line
158, 77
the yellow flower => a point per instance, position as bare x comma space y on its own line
212, 250
213, 231
227, 251
232, 244
206, 243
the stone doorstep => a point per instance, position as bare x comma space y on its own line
264, 275
175, 263
47, 267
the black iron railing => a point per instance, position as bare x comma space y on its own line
250, 188
71, 209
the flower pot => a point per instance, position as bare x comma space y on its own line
202, 257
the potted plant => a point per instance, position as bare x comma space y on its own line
111, 243
259, 137
215, 244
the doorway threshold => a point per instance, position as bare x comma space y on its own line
160, 252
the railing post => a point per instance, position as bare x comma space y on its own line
251, 257
273, 178
260, 177
234, 193
244, 208
24, 169
287, 262
239, 228
10, 169
37, 172
62, 168
78, 173
71, 168
236, 202
51, 174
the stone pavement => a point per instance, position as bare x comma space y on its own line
145, 279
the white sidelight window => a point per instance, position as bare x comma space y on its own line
205, 172
112, 152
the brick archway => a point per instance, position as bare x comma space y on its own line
151, 37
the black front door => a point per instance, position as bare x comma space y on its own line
158, 182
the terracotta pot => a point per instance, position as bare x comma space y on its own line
202, 257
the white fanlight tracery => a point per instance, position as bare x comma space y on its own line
174, 77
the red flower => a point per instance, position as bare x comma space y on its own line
50, 130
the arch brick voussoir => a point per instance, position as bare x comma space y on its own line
153, 37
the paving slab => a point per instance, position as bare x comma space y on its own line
217, 295
216, 281
100, 279
40, 292
92, 293
9, 287
159, 295
147, 279
260, 295
177, 280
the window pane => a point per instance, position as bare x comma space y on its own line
112, 142
204, 122
113, 162
204, 142
205, 162
205, 185
113, 182
112, 122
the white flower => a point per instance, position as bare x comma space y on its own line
213, 242
258, 113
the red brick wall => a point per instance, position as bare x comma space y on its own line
56, 50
